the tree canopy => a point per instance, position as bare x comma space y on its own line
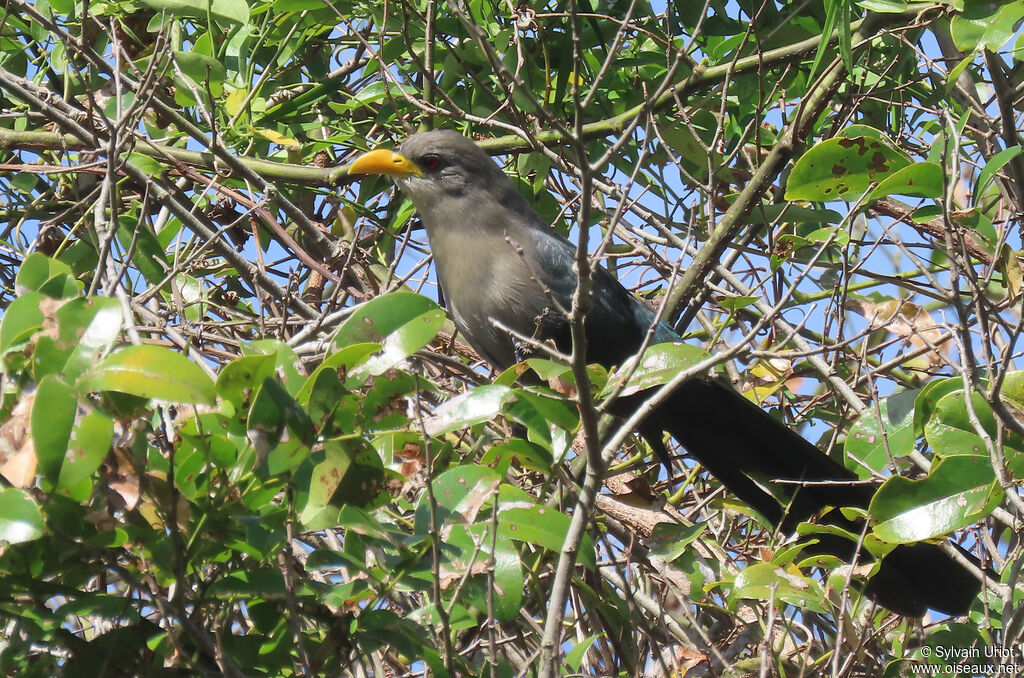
239, 435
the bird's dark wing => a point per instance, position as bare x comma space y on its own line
616, 324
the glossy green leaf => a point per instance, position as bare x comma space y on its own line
556, 410
1012, 387
467, 554
150, 371
929, 397
460, 493
88, 327
350, 473
883, 6
21, 320
874, 437
766, 581
379, 317
243, 375
203, 70
20, 517
843, 167
659, 364
481, 404
574, 657
236, 11
39, 273
992, 167
985, 25
402, 343
342, 361
53, 416
287, 364
670, 540
273, 410
737, 303
957, 492
922, 179
518, 451
950, 430
545, 527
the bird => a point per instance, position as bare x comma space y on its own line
508, 277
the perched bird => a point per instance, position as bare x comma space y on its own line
501, 266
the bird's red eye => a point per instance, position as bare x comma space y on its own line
430, 162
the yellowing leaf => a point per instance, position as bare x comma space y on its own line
278, 138
233, 102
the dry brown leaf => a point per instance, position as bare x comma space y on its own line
411, 456
689, 659
912, 323
17, 453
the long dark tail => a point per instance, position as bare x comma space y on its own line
750, 453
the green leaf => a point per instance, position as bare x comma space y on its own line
481, 404
350, 474
374, 93
671, 540
840, 167
659, 364
242, 376
957, 492
737, 303
467, 550
883, 6
260, 582
985, 25
21, 320
950, 431
929, 397
1013, 386
574, 657
556, 410
90, 326
303, 102
766, 581
460, 493
876, 436
995, 163
956, 71
922, 179
274, 409
20, 517
343, 360
149, 257
287, 364
825, 48
545, 527
376, 319
204, 71
236, 11
525, 454
53, 415
39, 273
150, 371
402, 343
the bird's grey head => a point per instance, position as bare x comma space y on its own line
443, 171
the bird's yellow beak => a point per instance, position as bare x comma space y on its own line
385, 161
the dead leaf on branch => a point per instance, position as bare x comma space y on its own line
912, 323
